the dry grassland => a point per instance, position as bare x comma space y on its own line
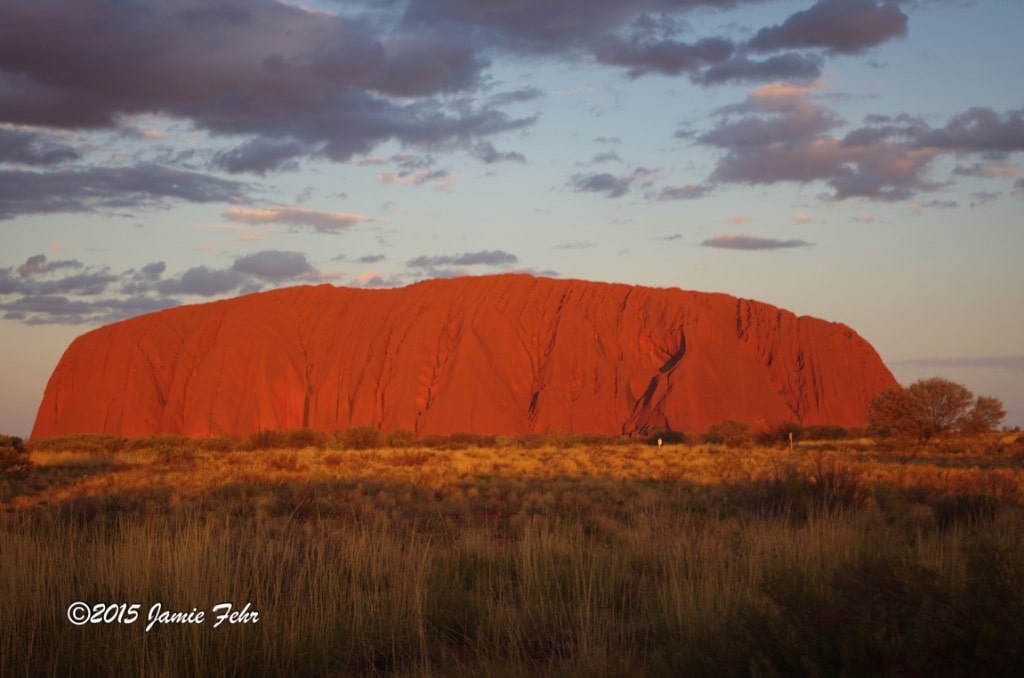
585, 560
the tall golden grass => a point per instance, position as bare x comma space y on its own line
590, 560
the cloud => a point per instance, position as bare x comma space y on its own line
288, 78
108, 188
781, 132
485, 151
440, 180
68, 292
979, 198
788, 66
481, 258
40, 277
202, 281
608, 156
25, 147
613, 186
59, 310
683, 192
749, 242
988, 170
274, 265
665, 57
978, 130
295, 216
287, 81
846, 26
260, 156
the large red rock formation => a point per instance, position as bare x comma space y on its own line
507, 354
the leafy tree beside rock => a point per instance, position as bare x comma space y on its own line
933, 407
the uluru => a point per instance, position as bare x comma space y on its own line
508, 354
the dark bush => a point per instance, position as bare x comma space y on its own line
667, 437
218, 444
459, 441
796, 492
400, 437
14, 459
825, 432
361, 438
82, 443
289, 439
729, 432
780, 435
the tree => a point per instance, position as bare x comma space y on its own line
931, 407
985, 415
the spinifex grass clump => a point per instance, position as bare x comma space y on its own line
513, 561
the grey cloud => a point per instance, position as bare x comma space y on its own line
683, 192
979, 198
428, 62
274, 265
486, 152
978, 130
609, 156
281, 82
143, 280
107, 188
987, 170
153, 271
38, 277
59, 310
847, 26
781, 133
39, 264
371, 258
519, 96
283, 75
70, 292
202, 281
481, 258
666, 57
33, 148
260, 156
611, 185
747, 242
789, 66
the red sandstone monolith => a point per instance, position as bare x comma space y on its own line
507, 354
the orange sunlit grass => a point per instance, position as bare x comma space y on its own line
518, 559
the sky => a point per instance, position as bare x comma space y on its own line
860, 161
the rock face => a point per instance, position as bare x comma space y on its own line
508, 354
